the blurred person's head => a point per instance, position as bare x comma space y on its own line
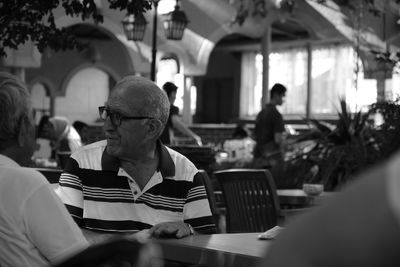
17, 127
277, 94
240, 131
82, 129
135, 115
171, 90
53, 128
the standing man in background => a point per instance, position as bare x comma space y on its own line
269, 130
174, 121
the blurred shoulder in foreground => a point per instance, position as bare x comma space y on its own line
358, 227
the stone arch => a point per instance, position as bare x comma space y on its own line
49, 89
47, 84
114, 30
114, 75
86, 88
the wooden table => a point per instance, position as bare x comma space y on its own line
232, 250
296, 198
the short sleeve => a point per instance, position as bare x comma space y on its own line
174, 110
197, 210
49, 225
70, 190
279, 126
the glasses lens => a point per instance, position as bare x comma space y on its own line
115, 117
103, 113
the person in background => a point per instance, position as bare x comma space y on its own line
174, 121
63, 136
269, 130
131, 182
35, 227
82, 129
240, 132
359, 226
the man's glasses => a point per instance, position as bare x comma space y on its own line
116, 118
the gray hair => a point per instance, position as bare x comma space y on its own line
155, 101
14, 105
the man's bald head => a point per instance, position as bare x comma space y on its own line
142, 97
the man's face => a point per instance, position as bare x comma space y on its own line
48, 131
172, 97
124, 140
280, 99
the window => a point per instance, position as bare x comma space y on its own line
333, 77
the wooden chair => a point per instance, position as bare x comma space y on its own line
52, 175
63, 158
116, 253
211, 197
251, 199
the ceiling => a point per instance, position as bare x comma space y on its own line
212, 26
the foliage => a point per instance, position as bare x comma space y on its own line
34, 20
388, 132
353, 144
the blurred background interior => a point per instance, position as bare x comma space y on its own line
338, 60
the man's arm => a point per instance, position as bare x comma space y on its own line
95, 237
197, 217
180, 126
50, 227
278, 139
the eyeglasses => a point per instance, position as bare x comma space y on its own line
116, 118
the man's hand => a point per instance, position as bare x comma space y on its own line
198, 140
171, 229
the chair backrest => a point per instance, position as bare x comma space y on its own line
52, 175
63, 158
211, 197
118, 252
251, 199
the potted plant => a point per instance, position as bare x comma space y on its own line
338, 152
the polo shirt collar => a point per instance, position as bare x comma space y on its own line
165, 164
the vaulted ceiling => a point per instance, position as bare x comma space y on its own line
212, 23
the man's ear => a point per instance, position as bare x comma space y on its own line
21, 132
154, 128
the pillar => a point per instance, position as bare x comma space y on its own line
265, 50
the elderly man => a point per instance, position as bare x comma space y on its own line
130, 181
35, 227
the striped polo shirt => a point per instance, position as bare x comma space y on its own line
100, 195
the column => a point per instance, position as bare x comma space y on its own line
265, 50
309, 80
186, 112
380, 84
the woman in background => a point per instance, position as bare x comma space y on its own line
62, 135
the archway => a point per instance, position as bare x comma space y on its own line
41, 102
85, 91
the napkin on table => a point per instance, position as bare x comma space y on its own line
270, 233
